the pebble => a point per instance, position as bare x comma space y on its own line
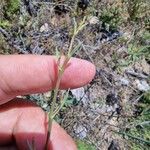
44, 28
124, 81
93, 20
81, 131
142, 85
79, 94
45, 106
47, 95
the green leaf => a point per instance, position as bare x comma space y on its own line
82, 145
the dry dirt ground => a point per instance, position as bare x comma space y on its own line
104, 107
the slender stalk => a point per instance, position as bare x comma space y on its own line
71, 45
50, 114
61, 69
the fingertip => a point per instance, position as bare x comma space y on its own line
78, 73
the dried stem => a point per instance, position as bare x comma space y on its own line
61, 69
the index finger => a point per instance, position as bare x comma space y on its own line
27, 74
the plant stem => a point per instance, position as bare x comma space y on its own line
50, 114
71, 45
61, 69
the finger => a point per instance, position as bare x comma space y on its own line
25, 124
26, 74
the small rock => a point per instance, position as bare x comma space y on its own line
93, 20
127, 36
81, 131
47, 95
112, 108
109, 109
45, 106
94, 106
142, 85
122, 49
124, 81
79, 94
44, 28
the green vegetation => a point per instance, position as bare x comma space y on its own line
111, 16
136, 52
9, 9
146, 35
138, 132
137, 49
137, 9
12, 6
4, 23
141, 125
146, 98
82, 145
69, 102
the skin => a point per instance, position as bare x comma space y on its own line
22, 122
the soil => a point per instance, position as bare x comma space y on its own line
109, 100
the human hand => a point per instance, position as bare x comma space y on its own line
23, 122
